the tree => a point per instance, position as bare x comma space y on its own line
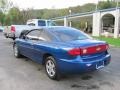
14, 15
27, 14
5, 5
2, 16
7, 20
106, 4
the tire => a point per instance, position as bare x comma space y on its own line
5, 35
16, 51
51, 68
13, 39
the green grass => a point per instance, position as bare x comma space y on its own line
110, 40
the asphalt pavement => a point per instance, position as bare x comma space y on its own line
24, 74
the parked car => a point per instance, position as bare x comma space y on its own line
14, 31
63, 50
1, 28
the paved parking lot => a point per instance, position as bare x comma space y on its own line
23, 74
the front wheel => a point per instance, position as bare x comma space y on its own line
51, 68
16, 51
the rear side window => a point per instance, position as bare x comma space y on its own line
34, 33
46, 36
42, 35
41, 23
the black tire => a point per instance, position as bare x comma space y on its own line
6, 36
16, 51
56, 75
13, 39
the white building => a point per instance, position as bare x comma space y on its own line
99, 19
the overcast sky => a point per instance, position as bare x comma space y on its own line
39, 4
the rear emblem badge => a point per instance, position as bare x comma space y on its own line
88, 65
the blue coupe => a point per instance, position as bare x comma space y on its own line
63, 50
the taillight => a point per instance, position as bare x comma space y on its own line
88, 50
94, 49
12, 29
74, 52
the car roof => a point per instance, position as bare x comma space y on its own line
55, 28
59, 28
49, 28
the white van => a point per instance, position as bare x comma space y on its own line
40, 22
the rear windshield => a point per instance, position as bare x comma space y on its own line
41, 23
69, 35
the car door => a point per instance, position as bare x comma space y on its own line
42, 45
26, 44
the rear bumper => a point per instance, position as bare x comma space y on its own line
78, 66
9, 35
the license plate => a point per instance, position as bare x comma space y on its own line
100, 65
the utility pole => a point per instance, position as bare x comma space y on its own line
70, 23
117, 5
97, 5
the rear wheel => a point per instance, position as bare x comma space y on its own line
16, 52
13, 38
6, 35
51, 68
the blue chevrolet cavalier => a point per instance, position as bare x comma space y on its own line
63, 50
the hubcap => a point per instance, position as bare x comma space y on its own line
50, 67
15, 51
